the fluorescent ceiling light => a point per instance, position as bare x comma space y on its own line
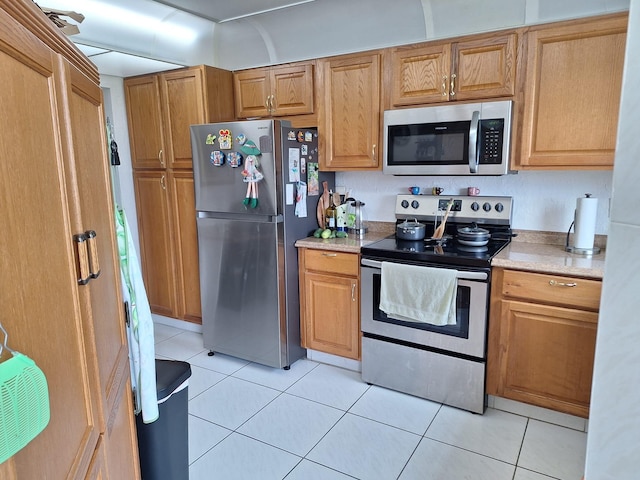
266, 11
135, 20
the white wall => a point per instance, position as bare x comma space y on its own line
614, 424
542, 200
122, 175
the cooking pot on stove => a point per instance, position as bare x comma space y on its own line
473, 236
411, 230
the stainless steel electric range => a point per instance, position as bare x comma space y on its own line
446, 364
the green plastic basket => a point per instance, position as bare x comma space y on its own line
24, 403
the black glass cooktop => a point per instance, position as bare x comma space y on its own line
451, 252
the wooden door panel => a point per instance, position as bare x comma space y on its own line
331, 314
183, 101
142, 95
186, 239
154, 227
572, 94
39, 293
485, 68
351, 113
420, 74
252, 89
89, 164
550, 352
292, 90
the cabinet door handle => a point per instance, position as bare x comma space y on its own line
373, 152
553, 283
266, 103
84, 272
353, 292
161, 157
94, 263
162, 183
452, 87
329, 254
271, 103
444, 85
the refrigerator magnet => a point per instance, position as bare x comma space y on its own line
308, 136
304, 149
224, 139
234, 159
291, 136
217, 158
240, 139
300, 136
211, 138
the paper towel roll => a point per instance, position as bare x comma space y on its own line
585, 226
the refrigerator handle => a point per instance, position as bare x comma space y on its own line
246, 218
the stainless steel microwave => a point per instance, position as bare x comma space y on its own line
452, 139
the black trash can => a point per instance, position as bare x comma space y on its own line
164, 444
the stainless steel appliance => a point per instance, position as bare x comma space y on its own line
246, 234
452, 139
441, 363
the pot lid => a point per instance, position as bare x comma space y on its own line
473, 230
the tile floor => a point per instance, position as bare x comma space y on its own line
321, 422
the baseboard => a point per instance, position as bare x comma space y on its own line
173, 322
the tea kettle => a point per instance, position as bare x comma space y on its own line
356, 222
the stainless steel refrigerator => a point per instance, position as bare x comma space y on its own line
256, 185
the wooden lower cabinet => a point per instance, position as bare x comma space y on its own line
156, 247
330, 302
542, 339
185, 236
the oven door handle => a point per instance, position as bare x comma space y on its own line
462, 275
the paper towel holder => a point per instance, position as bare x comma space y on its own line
578, 250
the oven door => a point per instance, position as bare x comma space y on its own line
467, 337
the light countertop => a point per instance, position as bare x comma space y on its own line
545, 258
530, 251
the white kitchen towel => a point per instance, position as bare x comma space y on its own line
419, 294
140, 327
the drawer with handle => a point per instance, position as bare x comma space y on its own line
331, 261
552, 289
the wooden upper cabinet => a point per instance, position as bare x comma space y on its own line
349, 115
183, 103
144, 114
274, 91
572, 94
162, 107
484, 68
475, 68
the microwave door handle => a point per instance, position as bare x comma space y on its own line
473, 142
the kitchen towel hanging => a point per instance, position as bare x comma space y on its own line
139, 326
418, 294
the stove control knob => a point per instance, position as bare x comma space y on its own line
475, 206
499, 207
415, 204
486, 207
404, 204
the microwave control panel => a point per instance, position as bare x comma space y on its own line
491, 137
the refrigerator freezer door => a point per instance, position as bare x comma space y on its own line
219, 187
241, 280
